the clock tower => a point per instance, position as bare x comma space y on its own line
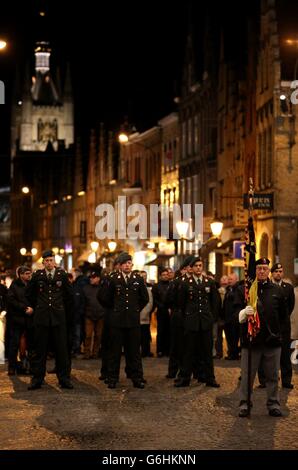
42, 113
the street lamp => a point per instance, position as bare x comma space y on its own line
34, 251
3, 44
182, 228
25, 190
216, 226
94, 246
23, 251
112, 246
123, 138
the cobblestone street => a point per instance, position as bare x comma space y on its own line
159, 417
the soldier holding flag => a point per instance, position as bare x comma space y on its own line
262, 313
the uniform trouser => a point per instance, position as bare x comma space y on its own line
59, 337
93, 327
145, 340
232, 331
176, 345
205, 341
285, 364
285, 361
130, 338
163, 332
270, 358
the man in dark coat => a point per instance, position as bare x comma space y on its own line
159, 292
124, 294
231, 321
20, 315
50, 294
266, 345
199, 301
94, 316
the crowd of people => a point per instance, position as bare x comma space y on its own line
100, 314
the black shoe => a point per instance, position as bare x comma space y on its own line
66, 384
106, 380
102, 377
201, 380
182, 383
262, 386
111, 384
170, 376
144, 380
243, 413
290, 386
275, 412
139, 384
159, 354
34, 385
212, 383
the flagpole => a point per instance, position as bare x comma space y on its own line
250, 212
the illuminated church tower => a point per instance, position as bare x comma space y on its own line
42, 113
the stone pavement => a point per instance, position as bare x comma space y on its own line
157, 418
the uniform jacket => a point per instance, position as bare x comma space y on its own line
52, 301
200, 303
17, 304
159, 292
289, 296
272, 312
172, 302
124, 300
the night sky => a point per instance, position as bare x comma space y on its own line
126, 57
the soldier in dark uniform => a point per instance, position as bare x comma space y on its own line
176, 320
125, 295
285, 359
200, 305
50, 295
266, 345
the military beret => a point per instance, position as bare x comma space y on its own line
263, 261
195, 260
48, 254
187, 262
275, 267
123, 257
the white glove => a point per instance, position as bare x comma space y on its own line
244, 313
2, 314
